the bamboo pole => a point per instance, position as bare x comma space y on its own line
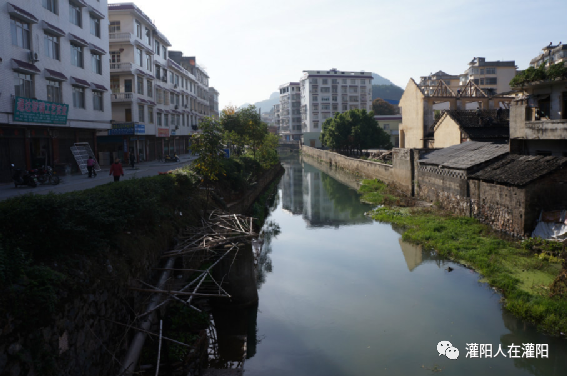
159, 347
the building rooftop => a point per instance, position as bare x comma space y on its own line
134, 7
466, 155
481, 62
520, 170
488, 127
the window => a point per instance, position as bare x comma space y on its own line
50, 5
490, 70
345, 107
20, 33
171, 98
140, 85
491, 80
386, 127
315, 98
54, 91
326, 107
23, 84
325, 99
128, 86
159, 120
335, 81
177, 99
177, 79
353, 82
148, 39
95, 27
481, 71
51, 45
164, 75
75, 15
158, 72
325, 90
138, 29
150, 115
482, 81
353, 89
141, 111
78, 97
344, 81
334, 98
149, 62
139, 57
157, 47
362, 82
164, 52
96, 64
115, 85
171, 77
114, 57
150, 90
315, 124
114, 26
77, 55
97, 100
316, 107
335, 107
166, 120
313, 81
353, 98
325, 81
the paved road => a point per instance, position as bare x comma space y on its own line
79, 182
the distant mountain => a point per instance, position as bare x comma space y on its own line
387, 92
379, 80
267, 104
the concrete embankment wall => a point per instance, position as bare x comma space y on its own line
399, 173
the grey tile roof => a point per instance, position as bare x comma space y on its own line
466, 155
520, 170
482, 125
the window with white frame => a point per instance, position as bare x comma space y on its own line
139, 57
96, 63
325, 81
20, 33
78, 97
150, 115
51, 46
157, 47
158, 115
149, 62
141, 112
138, 27
77, 55
315, 98
50, 5
386, 127
54, 91
325, 99
23, 84
95, 26
98, 100
313, 81
114, 57
150, 90
75, 15
114, 27
490, 70
140, 81
166, 120
148, 37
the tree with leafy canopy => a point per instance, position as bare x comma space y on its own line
209, 146
381, 107
243, 128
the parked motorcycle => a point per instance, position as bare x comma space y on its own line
22, 177
45, 174
172, 158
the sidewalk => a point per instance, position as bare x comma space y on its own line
78, 181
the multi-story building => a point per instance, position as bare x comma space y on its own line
538, 116
493, 77
324, 93
157, 100
54, 76
199, 84
290, 111
214, 103
431, 82
277, 117
390, 124
552, 54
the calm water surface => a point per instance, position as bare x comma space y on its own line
341, 294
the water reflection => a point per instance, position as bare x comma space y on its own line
319, 198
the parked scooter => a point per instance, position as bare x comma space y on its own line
45, 174
172, 158
22, 177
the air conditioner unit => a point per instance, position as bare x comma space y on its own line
34, 57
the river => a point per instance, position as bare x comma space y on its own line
341, 294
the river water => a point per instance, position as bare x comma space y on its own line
340, 294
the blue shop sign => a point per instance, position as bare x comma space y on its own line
140, 129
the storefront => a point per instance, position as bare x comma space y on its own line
12, 151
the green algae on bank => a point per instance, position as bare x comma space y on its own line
523, 277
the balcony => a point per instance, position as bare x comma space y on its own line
122, 97
120, 37
546, 130
121, 67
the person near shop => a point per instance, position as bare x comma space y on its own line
132, 160
116, 170
91, 166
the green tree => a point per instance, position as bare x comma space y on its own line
209, 146
267, 152
243, 128
381, 107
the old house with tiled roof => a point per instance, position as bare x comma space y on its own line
457, 126
510, 194
442, 174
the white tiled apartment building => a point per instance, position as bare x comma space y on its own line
53, 55
328, 91
290, 111
157, 100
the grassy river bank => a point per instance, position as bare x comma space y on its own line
528, 273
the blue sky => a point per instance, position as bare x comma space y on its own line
250, 47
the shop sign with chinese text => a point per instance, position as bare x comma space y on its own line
36, 111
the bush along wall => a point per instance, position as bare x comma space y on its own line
66, 262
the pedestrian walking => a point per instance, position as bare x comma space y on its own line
91, 166
132, 160
116, 170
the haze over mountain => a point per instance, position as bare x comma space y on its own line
268, 104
